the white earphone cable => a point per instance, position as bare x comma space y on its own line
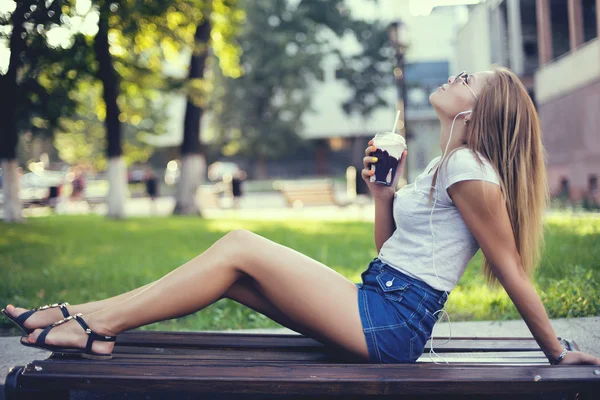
431, 351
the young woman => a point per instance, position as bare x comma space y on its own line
488, 191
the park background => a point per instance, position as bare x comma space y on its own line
281, 96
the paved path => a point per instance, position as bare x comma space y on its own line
585, 331
254, 207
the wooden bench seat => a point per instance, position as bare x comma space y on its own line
246, 365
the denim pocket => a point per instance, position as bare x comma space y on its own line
393, 287
426, 320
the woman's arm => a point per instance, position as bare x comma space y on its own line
383, 196
488, 221
384, 221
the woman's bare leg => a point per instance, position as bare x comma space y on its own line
312, 297
43, 318
243, 292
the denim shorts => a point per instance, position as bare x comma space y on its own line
396, 312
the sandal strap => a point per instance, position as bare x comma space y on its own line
23, 317
63, 308
92, 336
41, 340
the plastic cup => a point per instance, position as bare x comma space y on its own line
390, 147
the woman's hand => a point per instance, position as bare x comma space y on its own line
579, 358
380, 191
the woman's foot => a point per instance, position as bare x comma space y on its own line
39, 319
71, 335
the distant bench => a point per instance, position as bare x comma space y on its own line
239, 366
311, 193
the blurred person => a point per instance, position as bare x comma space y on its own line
151, 181
53, 196
487, 190
564, 194
236, 186
590, 199
78, 185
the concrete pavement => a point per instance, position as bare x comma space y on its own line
258, 206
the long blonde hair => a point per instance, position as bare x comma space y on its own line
505, 129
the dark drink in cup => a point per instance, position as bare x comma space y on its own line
390, 147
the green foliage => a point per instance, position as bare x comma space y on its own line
368, 72
80, 259
284, 46
82, 139
573, 296
44, 80
146, 37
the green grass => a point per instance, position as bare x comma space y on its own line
78, 259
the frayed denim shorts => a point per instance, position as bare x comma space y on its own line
396, 312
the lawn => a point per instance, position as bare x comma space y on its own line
83, 258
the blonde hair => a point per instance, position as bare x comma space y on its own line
505, 129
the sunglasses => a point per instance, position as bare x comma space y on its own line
464, 78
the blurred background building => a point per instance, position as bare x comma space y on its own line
553, 46
567, 88
431, 47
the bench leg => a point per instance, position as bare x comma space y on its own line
13, 391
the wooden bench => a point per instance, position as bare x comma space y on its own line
314, 193
295, 366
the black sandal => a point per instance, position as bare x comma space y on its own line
20, 320
40, 343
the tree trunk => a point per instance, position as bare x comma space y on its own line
193, 161
193, 168
117, 178
10, 186
110, 83
9, 134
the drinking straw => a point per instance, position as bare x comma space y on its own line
396, 121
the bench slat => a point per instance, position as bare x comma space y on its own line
295, 341
166, 356
339, 379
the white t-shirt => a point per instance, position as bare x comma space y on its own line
410, 248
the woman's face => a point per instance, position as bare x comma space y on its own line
459, 94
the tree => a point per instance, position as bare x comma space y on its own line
148, 33
82, 138
131, 22
36, 86
369, 71
193, 163
284, 44
41, 79
222, 18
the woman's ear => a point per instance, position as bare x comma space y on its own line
468, 117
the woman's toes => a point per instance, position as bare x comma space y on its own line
12, 311
34, 335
